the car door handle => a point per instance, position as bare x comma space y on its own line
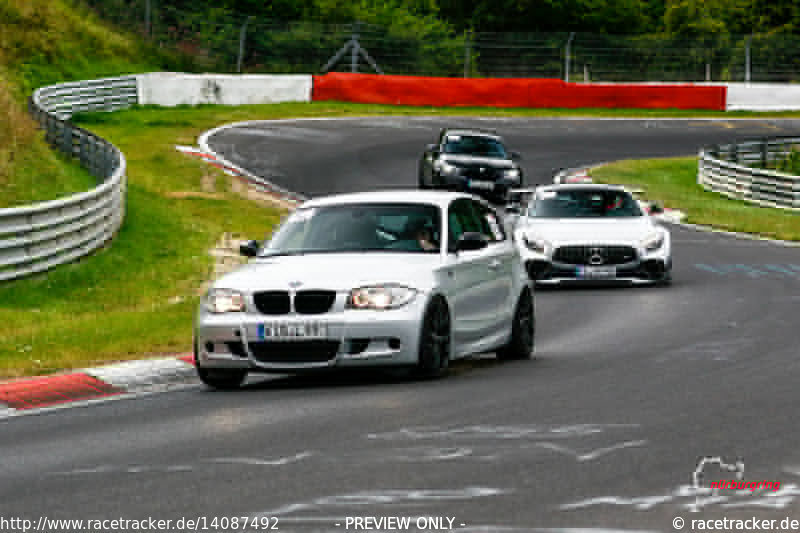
494, 264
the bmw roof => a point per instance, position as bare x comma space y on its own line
472, 133
413, 196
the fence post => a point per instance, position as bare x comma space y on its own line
242, 35
66, 138
467, 53
147, 17
747, 57
354, 49
567, 53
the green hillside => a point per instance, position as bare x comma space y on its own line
43, 42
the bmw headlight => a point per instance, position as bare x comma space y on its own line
224, 301
380, 297
443, 167
653, 242
535, 245
511, 173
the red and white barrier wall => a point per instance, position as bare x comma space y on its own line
170, 89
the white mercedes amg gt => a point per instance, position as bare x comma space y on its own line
400, 278
591, 233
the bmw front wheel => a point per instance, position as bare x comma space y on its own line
434, 342
523, 330
217, 378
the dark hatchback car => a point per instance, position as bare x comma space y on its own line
470, 161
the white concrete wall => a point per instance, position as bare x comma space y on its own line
175, 88
763, 96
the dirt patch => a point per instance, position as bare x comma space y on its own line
246, 190
226, 257
208, 183
195, 194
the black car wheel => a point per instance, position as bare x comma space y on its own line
223, 379
434, 342
523, 331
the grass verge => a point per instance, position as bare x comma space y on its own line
673, 183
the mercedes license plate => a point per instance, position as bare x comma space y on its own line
292, 330
598, 272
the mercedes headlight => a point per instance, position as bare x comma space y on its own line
380, 297
535, 245
224, 301
653, 242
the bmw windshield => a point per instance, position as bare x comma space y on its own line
474, 146
414, 228
584, 203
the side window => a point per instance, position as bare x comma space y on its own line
490, 224
461, 219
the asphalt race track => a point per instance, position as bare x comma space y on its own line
601, 432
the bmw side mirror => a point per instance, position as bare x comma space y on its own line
471, 240
249, 249
516, 156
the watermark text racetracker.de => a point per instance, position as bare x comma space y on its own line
729, 524
201, 523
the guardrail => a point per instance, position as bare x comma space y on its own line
739, 171
40, 236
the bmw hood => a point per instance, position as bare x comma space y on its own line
469, 160
561, 231
334, 271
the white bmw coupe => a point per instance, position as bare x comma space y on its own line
590, 233
400, 278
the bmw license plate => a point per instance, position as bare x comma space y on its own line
292, 330
481, 184
590, 272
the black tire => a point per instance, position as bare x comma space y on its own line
523, 331
435, 340
666, 277
222, 379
